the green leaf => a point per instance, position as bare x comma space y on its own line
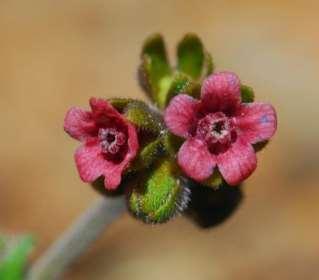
190, 56
144, 117
182, 83
209, 64
13, 257
159, 195
247, 94
155, 66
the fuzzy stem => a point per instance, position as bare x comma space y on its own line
77, 239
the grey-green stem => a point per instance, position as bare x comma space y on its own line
77, 239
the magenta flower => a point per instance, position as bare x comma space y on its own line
219, 129
110, 142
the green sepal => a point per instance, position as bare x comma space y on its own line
190, 56
247, 94
158, 195
144, 117
155, 67
120, 103
14, 254
149, 154
261, 145
209, 64
182, 83
214, 181
172, 143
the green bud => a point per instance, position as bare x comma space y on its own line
159, 195
182, 83
144, 117
149, 154
160, 81
209, 64
247, 94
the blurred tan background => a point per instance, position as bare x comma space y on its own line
56, 54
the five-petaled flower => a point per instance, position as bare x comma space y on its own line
219, 129
109, 142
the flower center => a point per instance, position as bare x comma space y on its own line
111, 140
217, 131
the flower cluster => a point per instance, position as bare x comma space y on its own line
202, 134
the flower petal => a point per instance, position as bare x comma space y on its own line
221, 92
256, 121
113, 173
132, 142
104, 113
90, 162
113, 176
78, 123
180, 114
195, 159
238, 162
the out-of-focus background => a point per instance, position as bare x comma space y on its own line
56, 54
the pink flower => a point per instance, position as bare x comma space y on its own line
110, 142
219, 129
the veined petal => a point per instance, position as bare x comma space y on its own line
237, 163
256, 122
90, 162
78, 123
180, 114
195, 159
221, 92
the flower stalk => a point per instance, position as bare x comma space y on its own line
77, 239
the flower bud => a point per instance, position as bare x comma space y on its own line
159, 195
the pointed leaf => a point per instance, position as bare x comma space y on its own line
190, 56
